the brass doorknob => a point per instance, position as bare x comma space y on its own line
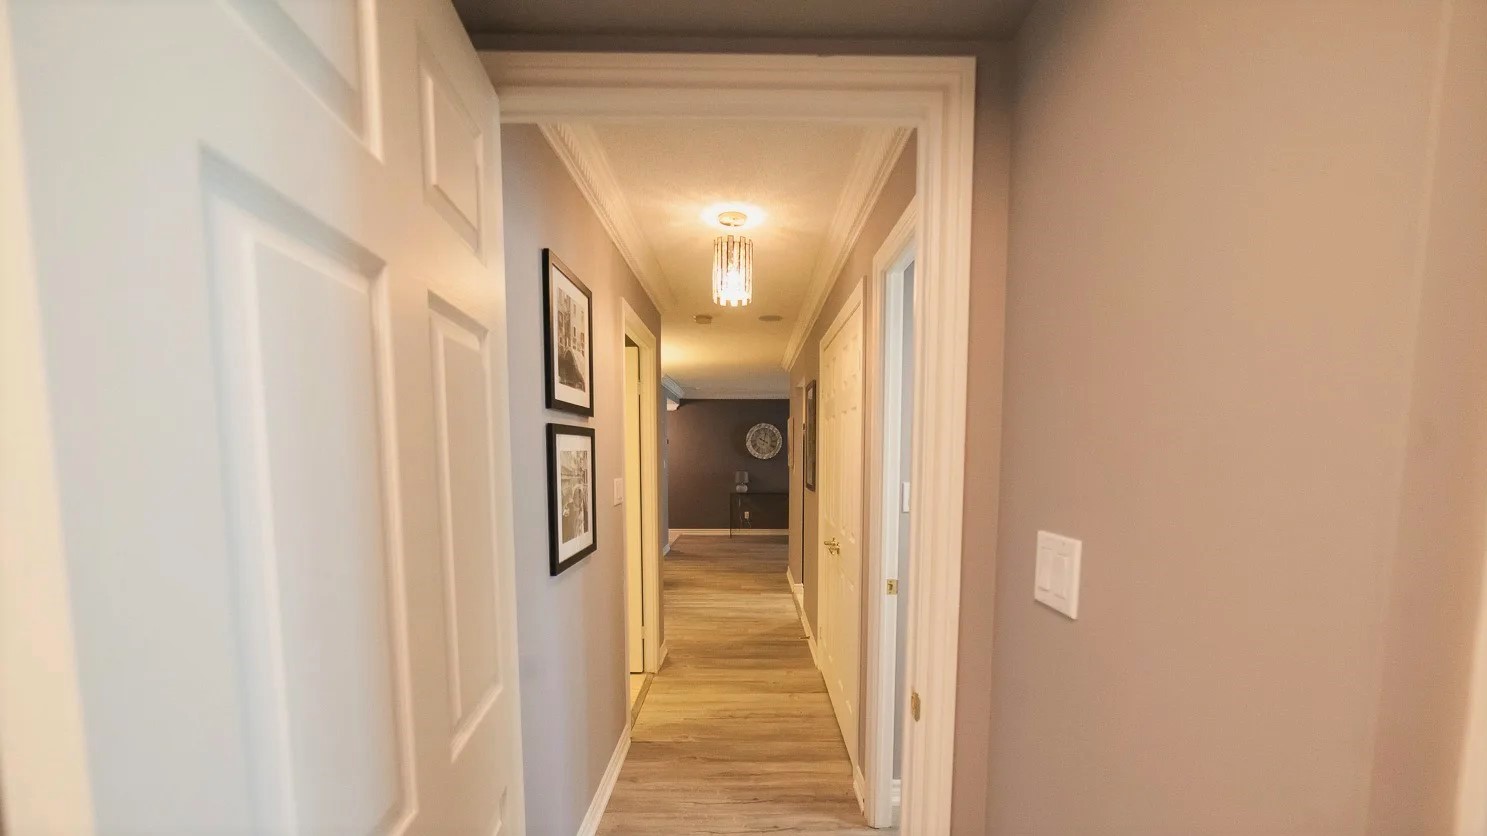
832, 545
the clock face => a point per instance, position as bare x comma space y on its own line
764, 441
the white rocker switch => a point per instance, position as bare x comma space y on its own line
1056, 581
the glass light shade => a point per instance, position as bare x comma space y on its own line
733, 270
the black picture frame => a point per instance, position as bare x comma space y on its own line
559, 338
808, 436
565, 550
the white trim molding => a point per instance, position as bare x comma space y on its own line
591, 819
633, 327
870, 170
934, 95
581, 152
675, 391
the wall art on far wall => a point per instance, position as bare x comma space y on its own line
808, 436
568, 309
570, 495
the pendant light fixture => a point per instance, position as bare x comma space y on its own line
733, 264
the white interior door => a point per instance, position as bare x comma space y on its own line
839, 604
634, 497
267, 241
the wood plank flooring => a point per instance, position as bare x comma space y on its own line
736, 733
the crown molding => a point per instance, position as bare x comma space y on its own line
674, 389
870, 169
583, 155
738, 395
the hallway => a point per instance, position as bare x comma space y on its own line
736, 734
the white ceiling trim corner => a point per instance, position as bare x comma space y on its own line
583, 155
673, 389
870, 169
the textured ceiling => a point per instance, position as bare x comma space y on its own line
957, 19
669, 173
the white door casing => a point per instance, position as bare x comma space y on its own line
634, 498
839, 516
267, 240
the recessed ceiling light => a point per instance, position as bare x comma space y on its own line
703, 319
771, 317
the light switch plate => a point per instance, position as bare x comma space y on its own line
1057, 576
619, 490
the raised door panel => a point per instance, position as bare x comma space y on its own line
453, 151
473, 627
331, 48
319, 592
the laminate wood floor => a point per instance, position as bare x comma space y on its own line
736, 734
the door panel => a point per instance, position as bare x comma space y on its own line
267, 236
840, 504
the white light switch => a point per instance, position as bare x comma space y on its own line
619, 490
1056, 581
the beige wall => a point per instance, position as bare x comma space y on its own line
571, 628
1244, 363
897, 191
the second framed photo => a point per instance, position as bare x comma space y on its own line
808, 436
568, 309
570, 495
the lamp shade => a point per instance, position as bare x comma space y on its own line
733, 270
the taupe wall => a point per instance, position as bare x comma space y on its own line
707, 447
895, 197
1244, 363
571, 628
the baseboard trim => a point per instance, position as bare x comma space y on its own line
797, 594
737, 532
590, 826
857, 788
661, 660
666, 549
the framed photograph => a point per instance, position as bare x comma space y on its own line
570, 495
568, 309
808, 436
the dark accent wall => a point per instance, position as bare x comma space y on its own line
706, 446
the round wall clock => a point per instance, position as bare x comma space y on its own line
763, 441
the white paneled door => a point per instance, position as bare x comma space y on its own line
267, 245
839, 561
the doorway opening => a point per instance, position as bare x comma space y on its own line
641, 497
886, 701
934, 96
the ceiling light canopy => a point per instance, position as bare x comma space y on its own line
733, 263
713, 214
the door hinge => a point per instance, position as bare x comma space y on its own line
914, 704
893, 586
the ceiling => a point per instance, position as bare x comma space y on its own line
953, 19
658, 187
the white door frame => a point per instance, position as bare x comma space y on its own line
634, 327
885, 479
935, 95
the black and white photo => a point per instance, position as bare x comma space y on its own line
569, 328
570, 480
808, 437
